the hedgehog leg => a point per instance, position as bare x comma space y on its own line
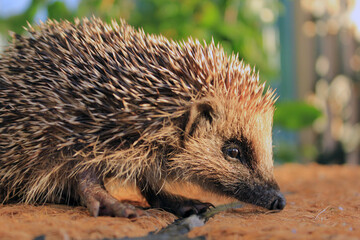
178, 205
100, 202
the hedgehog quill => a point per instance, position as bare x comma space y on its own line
85, 101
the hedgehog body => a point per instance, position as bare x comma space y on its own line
86, 101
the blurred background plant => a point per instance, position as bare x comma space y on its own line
307, 49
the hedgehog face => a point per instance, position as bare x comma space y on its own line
229, 150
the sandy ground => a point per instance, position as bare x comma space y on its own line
323, 203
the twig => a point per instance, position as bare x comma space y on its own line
322, 211
179, 228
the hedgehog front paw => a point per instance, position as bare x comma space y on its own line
178, 205
101, 203
192, 206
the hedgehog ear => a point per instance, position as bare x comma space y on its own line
198, 111
206, 111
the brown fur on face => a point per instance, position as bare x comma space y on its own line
213, 122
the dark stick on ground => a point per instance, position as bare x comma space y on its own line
180, 227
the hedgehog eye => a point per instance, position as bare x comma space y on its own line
233, 152
238, 150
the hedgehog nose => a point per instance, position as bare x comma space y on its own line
279, 203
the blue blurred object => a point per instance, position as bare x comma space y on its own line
9, 8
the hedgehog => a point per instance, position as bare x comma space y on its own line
87, 101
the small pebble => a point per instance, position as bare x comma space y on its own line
350, 228
293, 230
340, 208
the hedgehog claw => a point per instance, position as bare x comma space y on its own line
178, 205
192, 206
101, 203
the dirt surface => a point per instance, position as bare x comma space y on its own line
323, 202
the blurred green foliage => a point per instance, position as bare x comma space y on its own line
295, 115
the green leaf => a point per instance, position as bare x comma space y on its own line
209, 15
295, 115
58, 10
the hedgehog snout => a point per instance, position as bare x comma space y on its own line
279, 202
264, 196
